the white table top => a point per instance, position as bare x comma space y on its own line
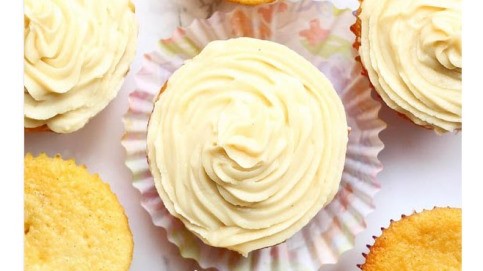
421, 169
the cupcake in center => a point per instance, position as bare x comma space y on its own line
246, 143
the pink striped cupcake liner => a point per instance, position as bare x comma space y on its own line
319, 32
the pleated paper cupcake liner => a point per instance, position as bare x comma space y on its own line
319, 32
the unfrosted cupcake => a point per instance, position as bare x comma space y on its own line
430, 240
76, 56
72, 219
246, 143
411, 51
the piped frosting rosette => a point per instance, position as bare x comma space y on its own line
320, 33
413, 55
247, 151
76, 56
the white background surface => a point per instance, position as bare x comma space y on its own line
421, 169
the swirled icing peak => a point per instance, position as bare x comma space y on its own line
247, 143
76, 56
412, 52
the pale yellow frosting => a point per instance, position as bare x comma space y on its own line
247, 143
76, 56
412, 52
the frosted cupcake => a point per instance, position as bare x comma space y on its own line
246, 143
411, 51
76, 56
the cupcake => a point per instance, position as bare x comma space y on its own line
76, 56
430, 240
246, 143
251, 2
72, 219
411, 51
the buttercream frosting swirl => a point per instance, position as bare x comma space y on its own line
246, 143
412, 52
76, 56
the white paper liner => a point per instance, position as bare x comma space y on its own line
319, 32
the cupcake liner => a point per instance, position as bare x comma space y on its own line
319, 32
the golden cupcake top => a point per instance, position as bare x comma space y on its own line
247, 143
72, 220
413, 55
76, 56
430, 240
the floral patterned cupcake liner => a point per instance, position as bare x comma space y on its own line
319, 32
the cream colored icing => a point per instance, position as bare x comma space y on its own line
247, 143
412, 52
76, 56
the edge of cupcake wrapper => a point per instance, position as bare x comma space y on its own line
253, 2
